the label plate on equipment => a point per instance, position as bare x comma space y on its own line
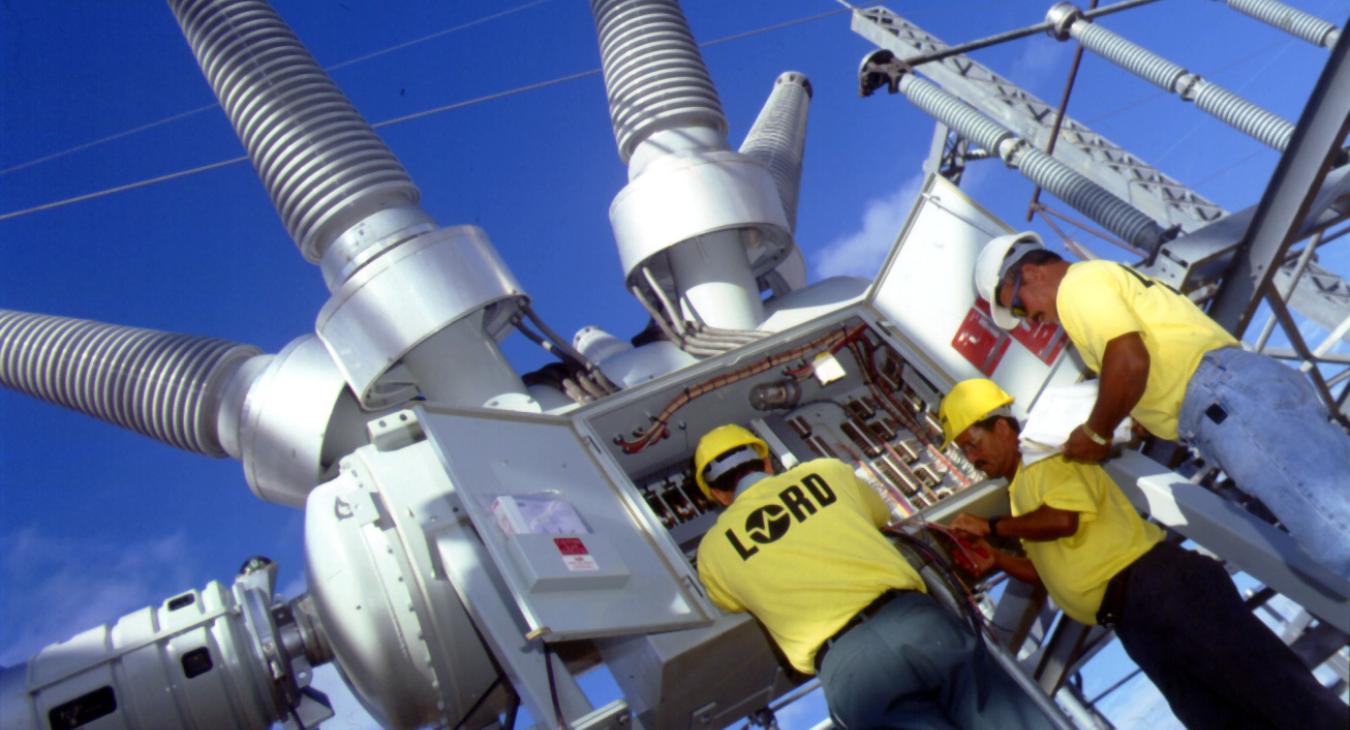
575, 555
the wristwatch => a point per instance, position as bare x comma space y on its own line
1093, 435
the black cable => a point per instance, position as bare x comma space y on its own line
479, 702
947, 575
509, 722
553, 687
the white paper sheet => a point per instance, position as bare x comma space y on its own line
1061, 409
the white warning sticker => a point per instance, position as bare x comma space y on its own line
580, 563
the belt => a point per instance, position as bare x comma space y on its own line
867, 612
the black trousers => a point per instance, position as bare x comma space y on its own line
1182, 621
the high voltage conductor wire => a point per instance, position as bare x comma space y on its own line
1152, 96
209, 107
377, 125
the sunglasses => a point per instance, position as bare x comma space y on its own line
1015, 304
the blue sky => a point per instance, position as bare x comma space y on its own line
96, 522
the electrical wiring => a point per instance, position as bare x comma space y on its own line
904, 468
893, 491
658, 428
583, 381
660, 321
946, 574
868, 368
807, 368
696, 338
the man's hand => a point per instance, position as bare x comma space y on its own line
1124, 376
971, 525
981, 556
1081, 447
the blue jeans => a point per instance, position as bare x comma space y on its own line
1265, 426
1183, 622
913, 665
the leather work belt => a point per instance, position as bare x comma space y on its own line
867, 612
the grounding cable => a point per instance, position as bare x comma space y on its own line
385, 123
1074, 247
1047, 212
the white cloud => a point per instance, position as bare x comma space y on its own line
77, 585
72, 585
861, 253
1042, 58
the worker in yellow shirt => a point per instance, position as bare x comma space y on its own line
1184, 378
1176, 612
802, 552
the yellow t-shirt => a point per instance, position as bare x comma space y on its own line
802, 552
1099, 301
1110, 536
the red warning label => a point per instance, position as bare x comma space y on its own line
980, 341
1045, 340
571, 546
983, 343
575, 555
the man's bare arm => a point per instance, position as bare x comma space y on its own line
1043, 523
1123, 378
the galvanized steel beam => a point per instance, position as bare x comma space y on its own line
1298, 177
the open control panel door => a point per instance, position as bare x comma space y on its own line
571, 537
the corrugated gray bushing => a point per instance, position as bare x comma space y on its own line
1213, 99
1082, 194
351, 207
955, 113
1092, 200
324, 167
654, 73
778, 137
1132, 57
1266, 126
167, 386
1290, 20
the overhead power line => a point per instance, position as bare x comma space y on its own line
433, 36
110, 138
123, 188
589, 72
208, 107
1156, 95
400, 119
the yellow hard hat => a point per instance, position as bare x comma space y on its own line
717, 443
968, 403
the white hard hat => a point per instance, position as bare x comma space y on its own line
996, 258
